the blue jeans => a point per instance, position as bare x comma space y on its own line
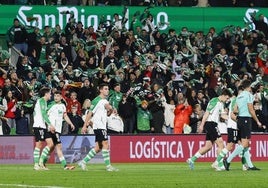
169, 130
22, 47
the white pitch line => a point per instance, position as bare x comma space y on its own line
32, 186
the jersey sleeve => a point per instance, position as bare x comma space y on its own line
212, 104
43, 107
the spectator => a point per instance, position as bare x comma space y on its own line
10, 112
156, 108
67, 49
33, 38
5, 129
41, 53
261, 117
48, 34
115, 96
76, 119
79, 29
3, 77
87, 91
132, 79
201, 100
196, 118
17, 36
8, 86
262, 61
110, 60
57, 34
144, 117
213, 83
182, 113
72, 101
23, 66
127, 111
28, 107
169, 108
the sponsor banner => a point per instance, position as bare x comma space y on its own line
19, 149
174, 148
195, 18
124, 149
75, 148
16, 150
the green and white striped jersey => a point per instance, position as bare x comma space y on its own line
40, 114
231, 123
55, 115
215, 108
99, 118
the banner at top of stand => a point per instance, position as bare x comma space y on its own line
194, 18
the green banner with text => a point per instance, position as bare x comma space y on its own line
173, 17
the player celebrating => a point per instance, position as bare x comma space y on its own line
97, 117
56, 113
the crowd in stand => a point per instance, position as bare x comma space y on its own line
182, 3
159, 82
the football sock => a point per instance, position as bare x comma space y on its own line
236, 152
90, 155
196, 156
63, 161
221, 155
247, 158
46, 159
44, 154
243, 160
106, 157
36, 155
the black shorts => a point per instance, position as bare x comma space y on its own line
212, 131
56, 139
41, 134
100, 135
233, 135
244, 125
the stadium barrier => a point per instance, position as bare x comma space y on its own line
125, 148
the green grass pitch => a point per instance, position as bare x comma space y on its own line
132, 175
